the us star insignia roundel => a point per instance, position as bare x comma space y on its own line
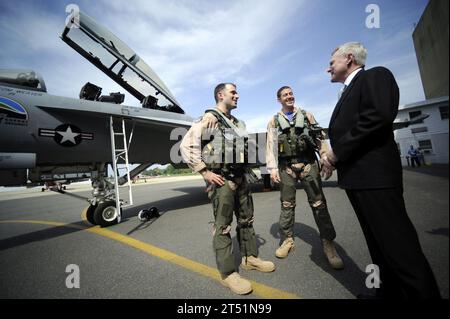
67, 135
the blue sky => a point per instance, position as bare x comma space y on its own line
193, 45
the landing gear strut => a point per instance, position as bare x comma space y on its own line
102, 209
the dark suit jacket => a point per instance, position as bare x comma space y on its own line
361, 133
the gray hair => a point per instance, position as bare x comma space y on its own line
356, 49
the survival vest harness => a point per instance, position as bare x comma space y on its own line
295, 139
224, 155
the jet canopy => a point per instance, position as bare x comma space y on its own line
26, 79
111, 55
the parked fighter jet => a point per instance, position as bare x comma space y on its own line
46, 138
57, 186
406, 123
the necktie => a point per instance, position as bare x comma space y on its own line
342, 91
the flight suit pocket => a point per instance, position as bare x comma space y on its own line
215, 205
250, 205
221, 240
283, 145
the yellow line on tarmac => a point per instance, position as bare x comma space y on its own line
258, 289
84, 218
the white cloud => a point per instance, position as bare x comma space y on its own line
36, 45
258, 122
32, 30
192, 45
189, 45
322, 112
390, 40
201, 44
411, 89
315, 78
397, 62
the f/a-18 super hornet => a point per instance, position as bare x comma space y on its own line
46, 138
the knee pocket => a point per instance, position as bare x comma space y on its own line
288, 204
287, 197
222, 237
223, 213
319, 204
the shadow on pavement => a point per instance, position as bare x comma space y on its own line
41, 235
439, 231
194, 196
351, 277
439, 170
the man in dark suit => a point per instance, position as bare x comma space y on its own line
369, 169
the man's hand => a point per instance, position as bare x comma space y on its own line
326, 171
212, 178
275, 176
329, 159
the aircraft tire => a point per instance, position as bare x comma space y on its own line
90, 214
105, 214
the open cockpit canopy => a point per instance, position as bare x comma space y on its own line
111, 55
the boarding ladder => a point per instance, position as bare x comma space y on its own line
120, 152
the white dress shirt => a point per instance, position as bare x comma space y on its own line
350, 77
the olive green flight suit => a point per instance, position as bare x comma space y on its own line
309, 176
234, 196
300, 164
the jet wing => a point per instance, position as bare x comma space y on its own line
112, 56
415, 120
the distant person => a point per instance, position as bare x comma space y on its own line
368, 163
421, 156
228, 190
414, 155
292, 141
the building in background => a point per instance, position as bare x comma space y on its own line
431, 44
430, 136
430, 38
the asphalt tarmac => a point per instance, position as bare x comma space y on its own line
45, 243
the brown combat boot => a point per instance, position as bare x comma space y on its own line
285, 248
251, 262
330, 251
237, 284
